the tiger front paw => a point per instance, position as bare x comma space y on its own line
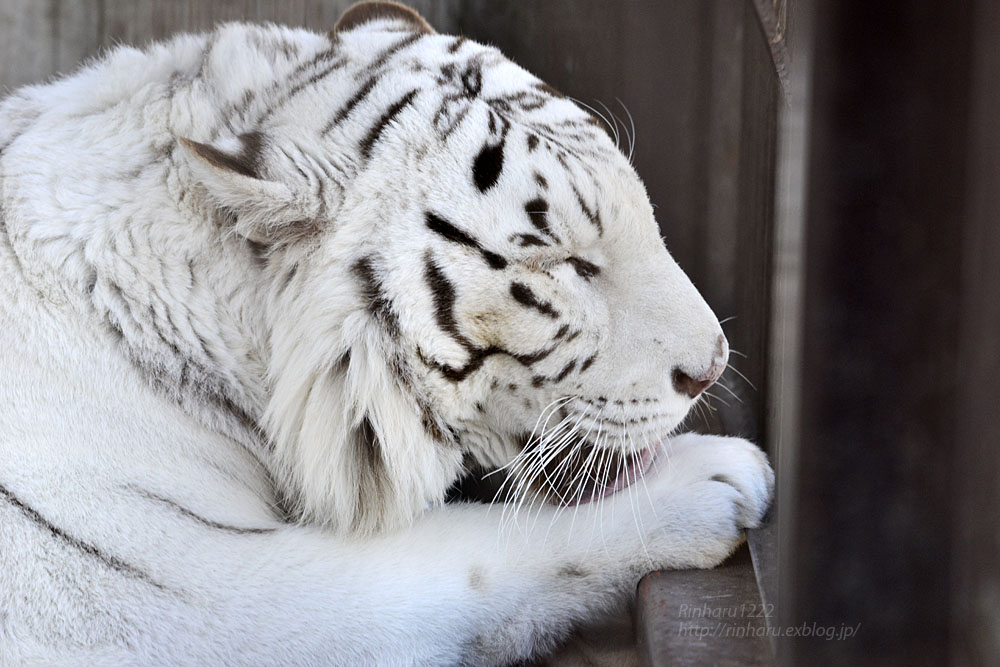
710, 489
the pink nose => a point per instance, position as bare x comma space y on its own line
693, 384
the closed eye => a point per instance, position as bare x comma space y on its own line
584, 268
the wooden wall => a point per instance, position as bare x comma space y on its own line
974, 622
39, 38
890, 520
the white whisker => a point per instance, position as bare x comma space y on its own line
584, 475
731, 392
732, 368
536, 467
631, 122
612, 127
614, 118
633, 497
716, 398
652, 505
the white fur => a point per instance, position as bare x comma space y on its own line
155, 369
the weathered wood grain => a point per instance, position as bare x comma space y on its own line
975, 614
42, 38
704, 618
885, 208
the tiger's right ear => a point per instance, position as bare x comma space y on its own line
234, 174
364, 13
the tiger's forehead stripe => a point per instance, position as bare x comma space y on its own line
370, 139
351, 103
374, 73
383, 58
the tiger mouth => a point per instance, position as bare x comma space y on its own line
589, 474
634, 467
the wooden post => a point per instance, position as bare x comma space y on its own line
868, 543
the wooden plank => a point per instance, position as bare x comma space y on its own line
27, 42
38, 39
722, 217
712, 617
76, 33
771, 545
752, 236
775, 18
975, 614
875, 504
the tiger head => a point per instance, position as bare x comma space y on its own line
467, 274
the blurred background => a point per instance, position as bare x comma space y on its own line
829, 176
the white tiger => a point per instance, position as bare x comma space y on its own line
267, 294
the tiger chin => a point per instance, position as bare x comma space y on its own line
267, 294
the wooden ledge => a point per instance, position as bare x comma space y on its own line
703, 617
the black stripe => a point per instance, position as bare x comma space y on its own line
287, 280
246, 162
317, 76
379, 304
450, 372
566, 371
561, 158
472, 80
394, 49
594, 216
368, 143
107, 559
488, 165
346, 110
538, 212
546, 88
299, 87
525, 240
454, 234
533, 358
489, 162
444, 312
523, 295
584, 268
457, 44
430, 422
200, 519
444, 300
476, 359
586, 364
523, 100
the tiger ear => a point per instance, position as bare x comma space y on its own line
236, 179
364, 13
